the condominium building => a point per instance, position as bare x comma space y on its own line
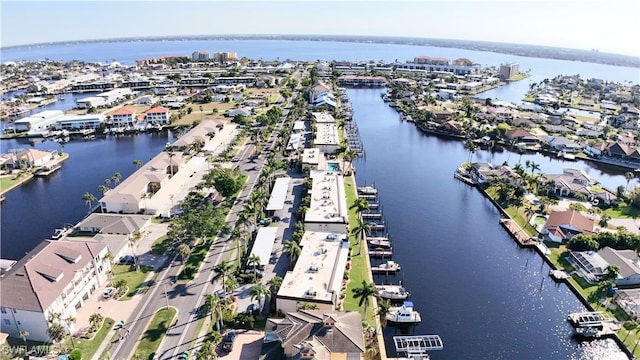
57, 276
328, 206
318, 274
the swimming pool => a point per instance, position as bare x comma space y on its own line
333, 166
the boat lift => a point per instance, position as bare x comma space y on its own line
416, 347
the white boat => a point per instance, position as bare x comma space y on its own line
404, 314
587, 318
389, 266
59, 233
379, 242
367, 190
392, 292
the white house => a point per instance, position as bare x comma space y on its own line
40, 122
157, 115
57, 276
123, 117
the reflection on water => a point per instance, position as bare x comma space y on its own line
486, 297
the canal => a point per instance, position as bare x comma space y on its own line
31, 212
486, 297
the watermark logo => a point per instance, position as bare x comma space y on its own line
33, 350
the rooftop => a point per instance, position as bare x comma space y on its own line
328, 199
319, 269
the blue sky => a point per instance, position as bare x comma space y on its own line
610, 26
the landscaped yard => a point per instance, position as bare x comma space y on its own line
155, 332
623, 212
89, 347
359, 270
134, 279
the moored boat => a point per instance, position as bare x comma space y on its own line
404, 314
392, 292
389, 266
379, 242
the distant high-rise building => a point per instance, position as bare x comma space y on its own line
508, 70
223, 57
200, 55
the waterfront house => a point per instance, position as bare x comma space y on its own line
559, 143
314, 334
56, 277
27, 159
158, 115
592, 265
78, 122
123, 117
482, 173
575, 183
521, 136
563, 225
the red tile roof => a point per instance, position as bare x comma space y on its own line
158, 109
124, 112
569, 218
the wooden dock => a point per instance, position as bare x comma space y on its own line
381, 253
521, 237
371, 215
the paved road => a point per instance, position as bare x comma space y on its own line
188, 297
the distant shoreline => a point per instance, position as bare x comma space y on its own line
545, 52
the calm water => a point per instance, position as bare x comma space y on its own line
486, 297
31, 212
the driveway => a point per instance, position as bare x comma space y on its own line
246, 346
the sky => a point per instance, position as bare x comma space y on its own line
605, 25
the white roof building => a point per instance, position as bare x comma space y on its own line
318, 274
323, 117
327, 138
278, 194
39, 122
74, 122
328, 207
263, 244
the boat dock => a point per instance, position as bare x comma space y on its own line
559, 275
522, 238
381, 253
586, 318
371, 215
46, 171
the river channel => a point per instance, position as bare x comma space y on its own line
486, 297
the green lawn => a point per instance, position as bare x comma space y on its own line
89, 347
134, 279
6, 182
155, 332
623, 212
359, 270
194, 260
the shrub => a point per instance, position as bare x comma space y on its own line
75, 355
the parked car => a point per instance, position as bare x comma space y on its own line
227, 341
109, 292
183, 356
127, 259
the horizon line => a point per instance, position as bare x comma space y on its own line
370, 37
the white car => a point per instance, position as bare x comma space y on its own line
108, 292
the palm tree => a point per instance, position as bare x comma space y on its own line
275, 282
254, 262
360, 231
184, 250
107, 182
360, 204
103, 189
207, 350
259, 292
95, 319
364, 293
224, 270
116, 178
612, 271
24, 334
213, 306
629, 176
89, 198
473, 147
604, 220
56, 332
137, 163
293, 249
383, 309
